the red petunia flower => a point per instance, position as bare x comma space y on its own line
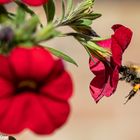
28, 2
4, 1
106, 77
34, 91
34, 2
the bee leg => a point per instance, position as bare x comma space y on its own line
130, 95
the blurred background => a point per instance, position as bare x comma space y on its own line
109, 119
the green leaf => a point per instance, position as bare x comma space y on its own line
86, 30
49, 9
96, 47
62, 55
92, 16
46, 33
20, 16
69, 7
26, 30
63, 10
5, 15
83, 22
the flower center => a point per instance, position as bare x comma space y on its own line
26, 85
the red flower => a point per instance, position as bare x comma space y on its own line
106, 77
28, 2
35, 2
4, 1
34, 91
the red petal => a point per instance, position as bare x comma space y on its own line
4, 1
34, 63
96, 65
35, 2
6, 88
122, 35
26, 111
105, 43
58, 110
41, 63
116, 53
19, 59
100, 85
5, 69
58, 84
115, 78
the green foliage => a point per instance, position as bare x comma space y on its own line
20, 16
61, 55
27, 30
49, 9
46, 33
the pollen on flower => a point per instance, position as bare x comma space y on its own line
28, 83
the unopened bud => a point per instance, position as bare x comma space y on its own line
6, 34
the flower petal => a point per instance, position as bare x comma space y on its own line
41, 63
122, 35
4, 1
34, 63
35, 2
25, 111
105, 43
100, 86
116, 54
5, 69
58, 110
58, 84
19, 59
6, 88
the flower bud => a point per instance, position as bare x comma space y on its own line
6, 34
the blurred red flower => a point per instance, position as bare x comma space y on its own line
28, 2
4, 1
35, 2
34, 91
106, 77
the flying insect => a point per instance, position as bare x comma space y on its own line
131, 74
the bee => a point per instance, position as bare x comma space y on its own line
131, 74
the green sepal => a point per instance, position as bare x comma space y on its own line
61, 55
25, 32
86, 30
69, 7
82, 22
5, 15
94, 46
46, 33
49, 9
63, 11
92, 16
20, 16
